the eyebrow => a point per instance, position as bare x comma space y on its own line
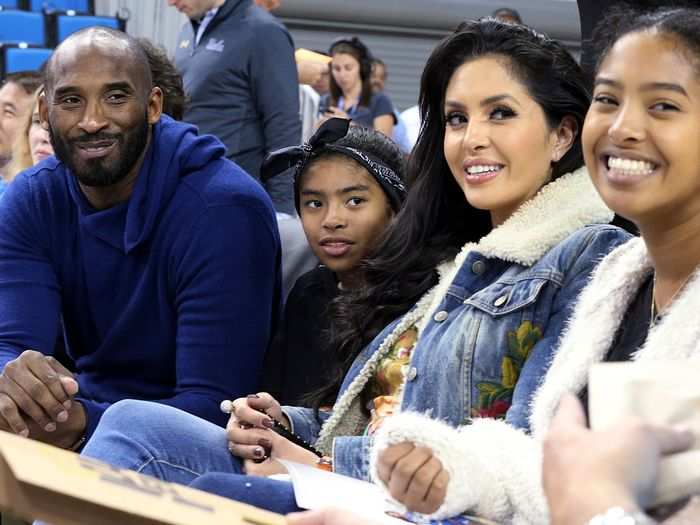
124, 86
649, 86
486, 102
348, 189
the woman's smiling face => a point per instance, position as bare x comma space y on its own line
498, 143
641, 138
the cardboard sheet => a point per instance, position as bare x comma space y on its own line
38, 481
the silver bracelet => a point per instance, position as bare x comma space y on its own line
619, 516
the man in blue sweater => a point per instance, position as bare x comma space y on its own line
157, 258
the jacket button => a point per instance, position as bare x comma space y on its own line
503, 299
411, 374
440, 316
479, 267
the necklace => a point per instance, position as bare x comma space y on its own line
656, 315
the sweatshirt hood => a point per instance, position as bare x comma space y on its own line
175, 151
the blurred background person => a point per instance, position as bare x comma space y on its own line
323, 85
506, 14
237, 64
351, 94
378, 82
33, 143
311, 67
166, 76
16, 98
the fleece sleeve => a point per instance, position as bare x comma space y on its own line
494, 469
274, 73
227, 301
29, 289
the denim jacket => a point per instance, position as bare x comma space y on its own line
488, 330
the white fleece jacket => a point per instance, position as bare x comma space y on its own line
495, 469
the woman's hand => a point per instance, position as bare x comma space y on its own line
414, 476
249, 427
585, 472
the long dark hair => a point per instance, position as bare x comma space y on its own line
436, 221
355, 48
679, 22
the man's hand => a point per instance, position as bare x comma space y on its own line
414, 476
37, 391
585, 472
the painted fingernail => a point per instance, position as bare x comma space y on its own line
266, 443
50, 427
24, 433
258, 452
62, 417
253, 396
268, 423
67, 404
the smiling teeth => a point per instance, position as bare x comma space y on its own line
472, 170
634, 167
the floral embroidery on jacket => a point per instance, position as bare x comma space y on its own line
495, 398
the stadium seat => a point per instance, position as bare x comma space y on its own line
15, 58
67, 25
10, 4
79, 6
22, 26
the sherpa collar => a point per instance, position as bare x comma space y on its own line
597, 317
557, 210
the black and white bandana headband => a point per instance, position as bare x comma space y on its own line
330, 131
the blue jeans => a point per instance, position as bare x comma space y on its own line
175, 446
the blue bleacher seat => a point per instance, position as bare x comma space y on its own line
27, 59
67, 25
9, 4
79, 6
22, 26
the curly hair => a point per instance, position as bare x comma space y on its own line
679, 22
166, 76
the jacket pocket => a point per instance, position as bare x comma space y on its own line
502, 298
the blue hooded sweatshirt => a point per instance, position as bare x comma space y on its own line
171, 296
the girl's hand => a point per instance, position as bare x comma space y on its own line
414, 476
248, 429
281, 448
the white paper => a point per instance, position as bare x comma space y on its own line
315, 488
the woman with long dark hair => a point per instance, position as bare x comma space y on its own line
466, 297
351, 94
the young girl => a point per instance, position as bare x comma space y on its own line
642, 147
348, 187
351, 94
464, 303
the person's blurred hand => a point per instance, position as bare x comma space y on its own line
310, 72
327, 516
585, 473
